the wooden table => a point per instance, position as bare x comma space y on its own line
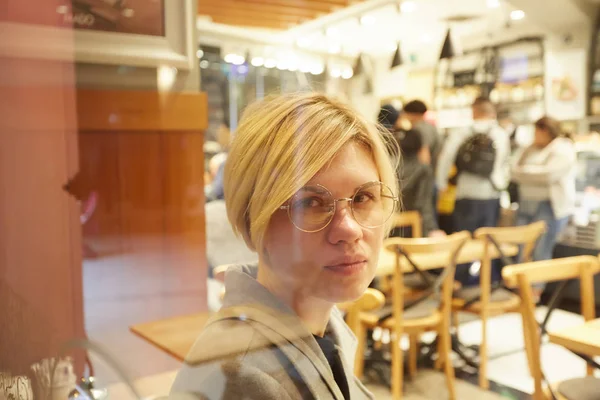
175, 336
471, 251
583, 339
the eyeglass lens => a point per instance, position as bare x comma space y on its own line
313, 207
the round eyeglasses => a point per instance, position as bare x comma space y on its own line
312, 208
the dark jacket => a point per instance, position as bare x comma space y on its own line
257, 348
416, 187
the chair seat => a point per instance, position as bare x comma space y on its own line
422, 310
500, 299
587, 388
416, 282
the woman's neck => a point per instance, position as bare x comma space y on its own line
313, 312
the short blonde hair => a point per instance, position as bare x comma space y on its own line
280, 144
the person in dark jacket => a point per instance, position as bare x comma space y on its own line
416, 180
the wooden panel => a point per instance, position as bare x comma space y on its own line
306, 4
141, 181
224, 6
106, 110
256, 15
100, 172
249, 22
183, 160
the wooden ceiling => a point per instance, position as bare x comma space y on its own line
271, 14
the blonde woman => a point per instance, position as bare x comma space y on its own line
311, 188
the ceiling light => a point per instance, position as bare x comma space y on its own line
305, 68
200, 53
270, 63
336, 73
331, 32
493, 3
258, 61
367, 20
292, 67
347, 73
204, 64
317, 69
517, 15
229, 58
238, 60
303, 42
282, 65
408, 6
335, 49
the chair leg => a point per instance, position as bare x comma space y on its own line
526, 336
455, 323
397, 366
439, 362
448, 367
413, 352
483, 381
359, 361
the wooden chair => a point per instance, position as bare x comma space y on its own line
432, 313
523, 276
482, 300
371, 300
410, 219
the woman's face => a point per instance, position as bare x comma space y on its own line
337, 263
542, 137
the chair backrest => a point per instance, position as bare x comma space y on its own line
449, 245
525, 237
582, 268
371, 300
411, 219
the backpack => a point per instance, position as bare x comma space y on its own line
477, 155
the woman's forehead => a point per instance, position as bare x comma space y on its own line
352, 167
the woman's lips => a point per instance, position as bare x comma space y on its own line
347, 268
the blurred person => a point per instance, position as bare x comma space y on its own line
416, 180
415, 111
477, 202
309, 186
546, 173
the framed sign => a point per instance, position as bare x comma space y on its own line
146, 33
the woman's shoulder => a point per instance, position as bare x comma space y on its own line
227, 353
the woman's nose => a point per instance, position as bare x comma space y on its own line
343, 227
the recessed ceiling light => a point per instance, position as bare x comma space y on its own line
517, 15
204, 64
270, 63
258, 61
317, 69
334, 49
336, 73
426, 38
493, 3
347, 73
367, 20
408, 6
200, 53
332, 32
303, 42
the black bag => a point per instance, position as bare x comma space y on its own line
477, 155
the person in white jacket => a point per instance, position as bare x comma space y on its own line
546, 173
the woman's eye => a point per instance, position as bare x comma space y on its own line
363, 197
308, 202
